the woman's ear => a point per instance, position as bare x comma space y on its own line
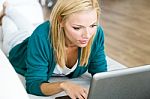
62, 24
60, 21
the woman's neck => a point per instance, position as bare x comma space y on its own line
72, 56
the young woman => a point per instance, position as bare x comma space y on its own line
69, 44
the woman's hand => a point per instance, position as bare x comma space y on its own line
74, 90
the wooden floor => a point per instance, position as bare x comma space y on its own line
126, 24
127, 30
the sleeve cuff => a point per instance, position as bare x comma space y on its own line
35, 89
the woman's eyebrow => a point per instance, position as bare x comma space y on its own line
83, 25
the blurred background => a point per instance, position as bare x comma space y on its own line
126, 24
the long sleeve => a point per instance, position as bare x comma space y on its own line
37, 62
98, 59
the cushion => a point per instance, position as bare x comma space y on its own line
11, 86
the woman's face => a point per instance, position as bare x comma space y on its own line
80, 27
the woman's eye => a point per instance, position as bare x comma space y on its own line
76, 28
93, 26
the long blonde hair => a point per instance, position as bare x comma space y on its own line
62, 10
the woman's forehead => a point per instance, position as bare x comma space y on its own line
83, 17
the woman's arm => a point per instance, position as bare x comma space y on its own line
73, 90
51, 88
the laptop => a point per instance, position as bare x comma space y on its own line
130, 83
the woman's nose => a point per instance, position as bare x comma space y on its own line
86, 34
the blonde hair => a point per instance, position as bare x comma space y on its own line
62, 10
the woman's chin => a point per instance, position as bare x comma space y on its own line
82, 45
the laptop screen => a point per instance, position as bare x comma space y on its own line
131, 83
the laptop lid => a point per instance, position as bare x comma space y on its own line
130, 83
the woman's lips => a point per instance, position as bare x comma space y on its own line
83, 41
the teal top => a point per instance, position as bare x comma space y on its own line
34, 58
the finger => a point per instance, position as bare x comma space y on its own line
84, 95
80, 97
86, 90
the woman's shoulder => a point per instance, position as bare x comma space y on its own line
44, 24
98, 43
42, 29
98, 39
100, 30
99, 34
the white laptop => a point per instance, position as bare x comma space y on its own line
130, 83
10, 85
